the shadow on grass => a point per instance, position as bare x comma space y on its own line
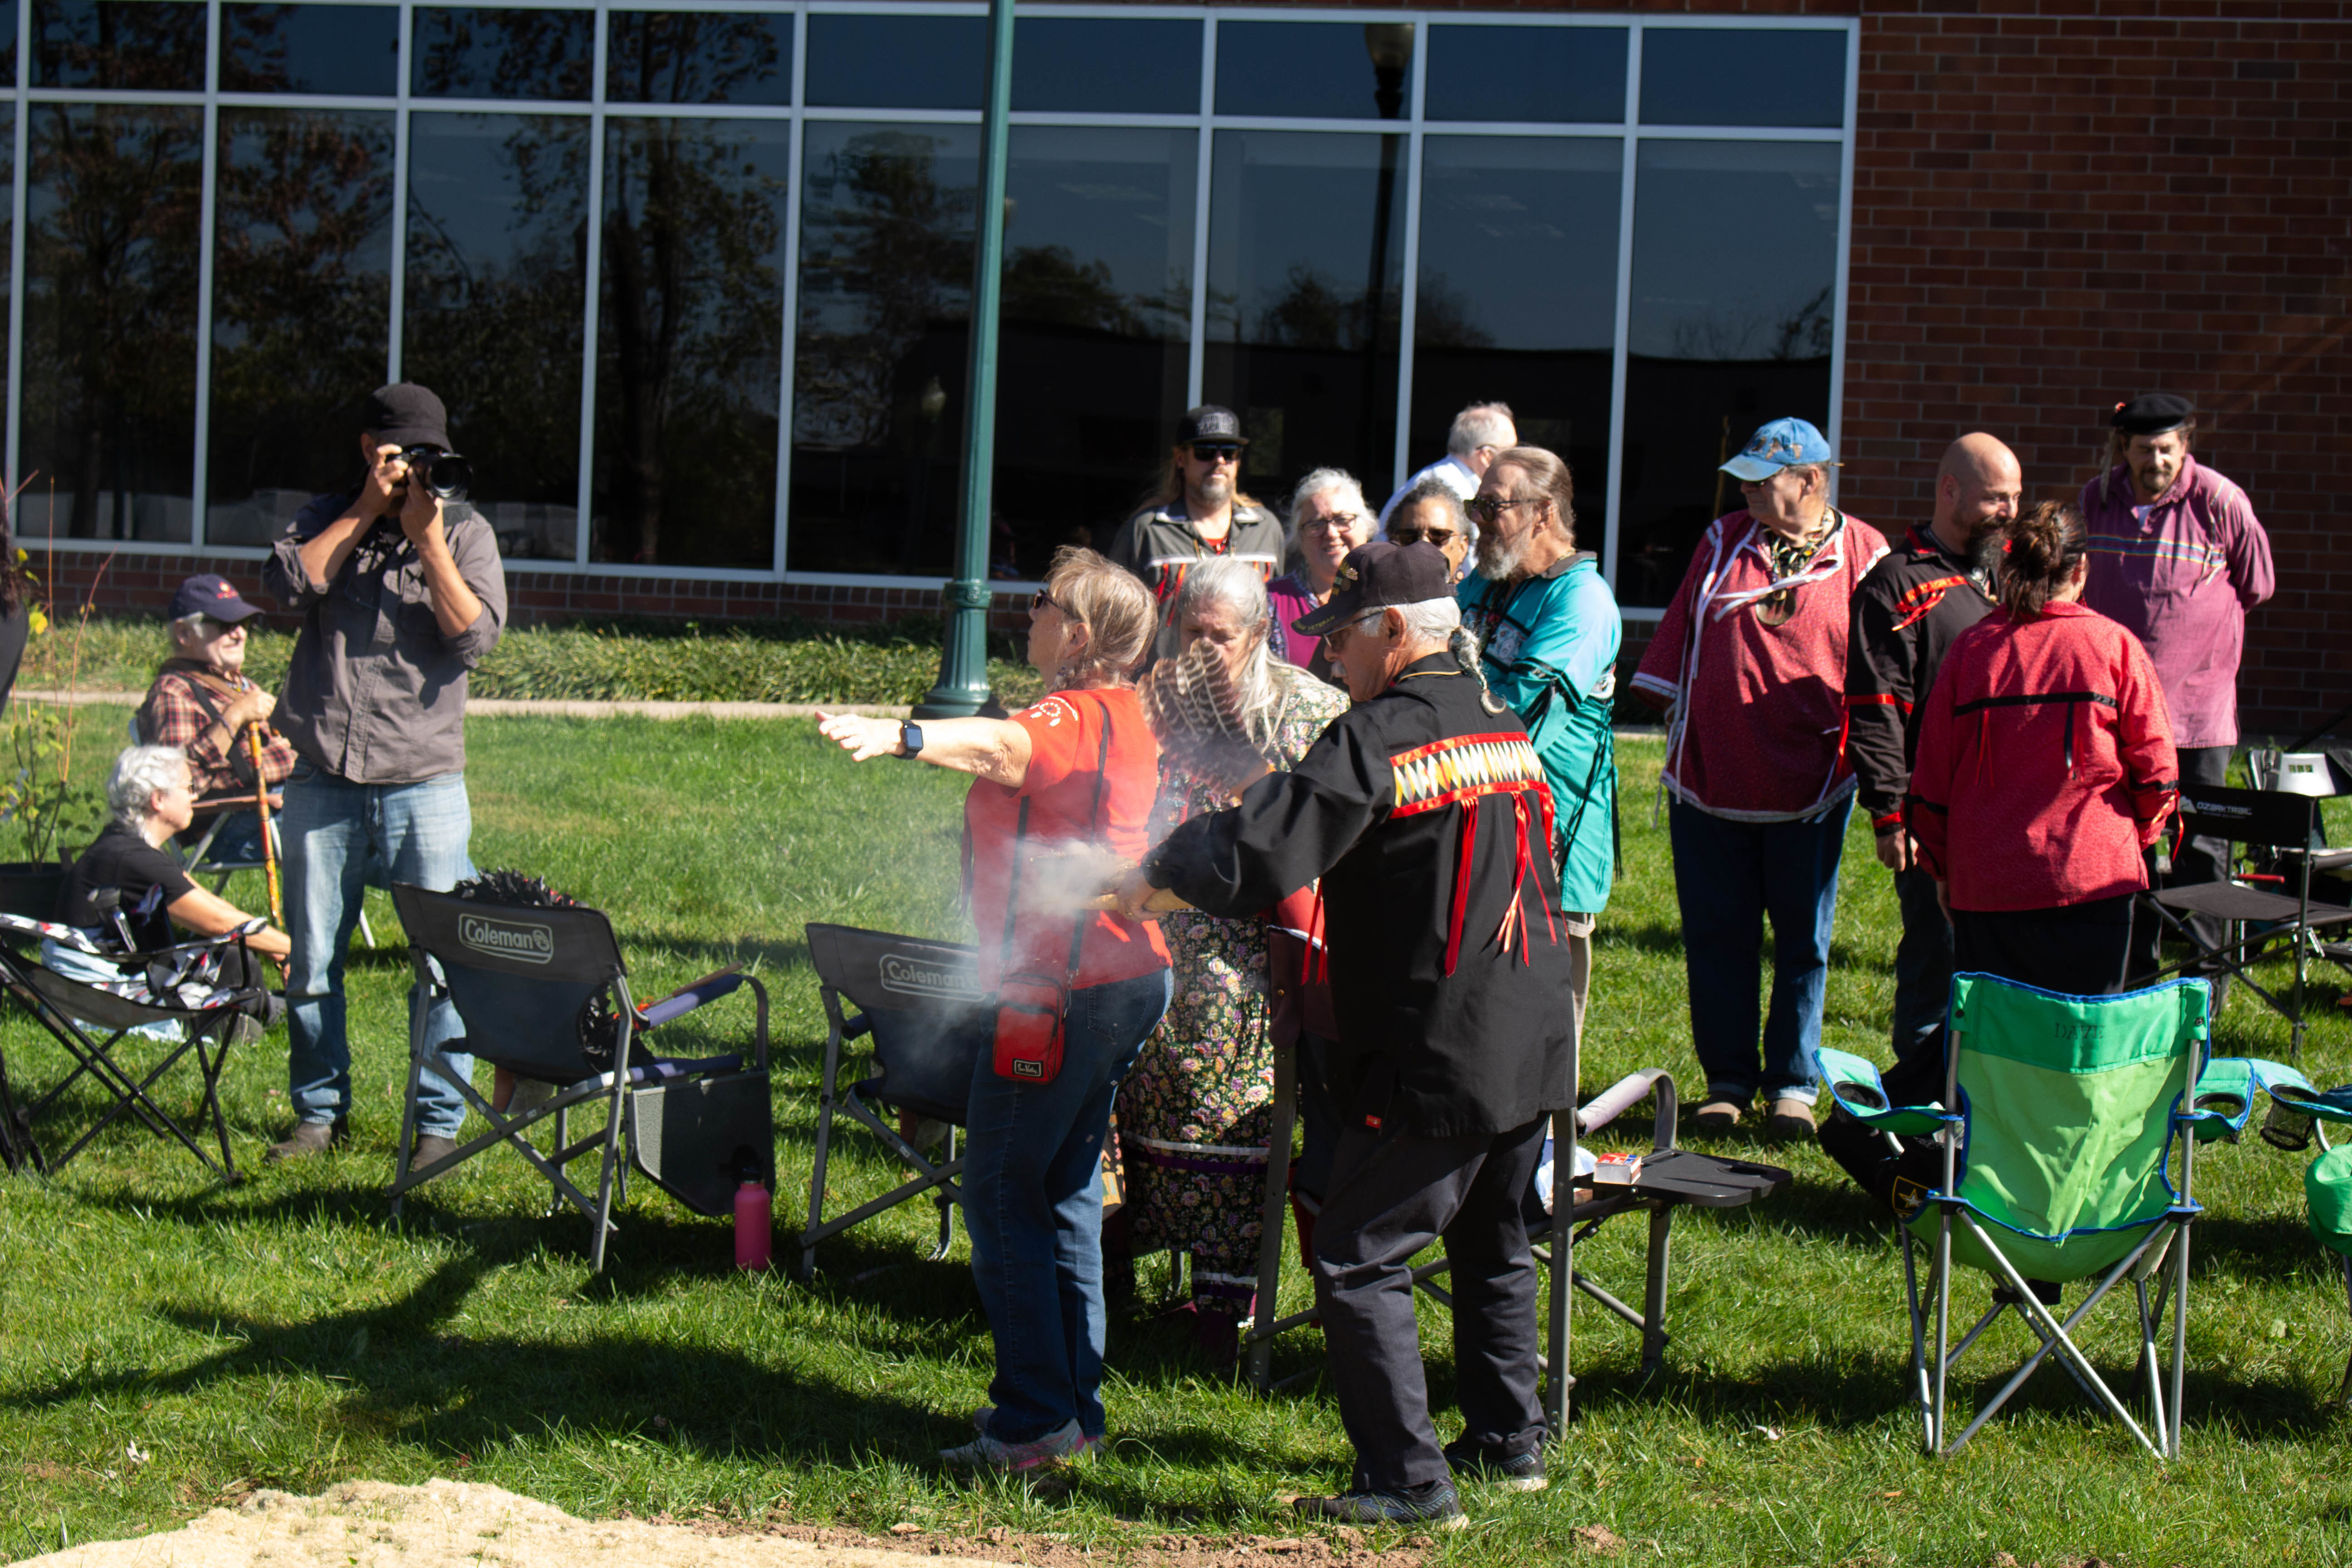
1669, 941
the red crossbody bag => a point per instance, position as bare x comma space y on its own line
1033, 1008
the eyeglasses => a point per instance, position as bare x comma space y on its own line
1339, 633
1216, 452
1045, 601
1486, 509
1437, 536
1338, 522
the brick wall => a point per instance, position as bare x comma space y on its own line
2057, 204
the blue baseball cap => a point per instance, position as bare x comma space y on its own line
213, 596
1775, 447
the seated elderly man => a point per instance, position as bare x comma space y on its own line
201, 702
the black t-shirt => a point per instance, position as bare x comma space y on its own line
151, 880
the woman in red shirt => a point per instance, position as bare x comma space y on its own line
1079, 769
2046, 769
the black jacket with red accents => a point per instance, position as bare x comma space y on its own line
1906, 612
1426, 817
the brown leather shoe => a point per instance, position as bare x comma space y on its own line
309, 1137
1791, 1122
430, 1146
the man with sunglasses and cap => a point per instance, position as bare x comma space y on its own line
2177, 558
202, 702
401, 594
1424, 811
1198, 512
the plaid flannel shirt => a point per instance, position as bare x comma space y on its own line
174, 717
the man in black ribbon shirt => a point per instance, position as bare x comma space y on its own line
1424, 811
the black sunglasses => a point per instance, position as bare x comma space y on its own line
1486, 509
1415, 535
1045, 601
1216, 452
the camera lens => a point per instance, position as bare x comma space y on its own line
450, 477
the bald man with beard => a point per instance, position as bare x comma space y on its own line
1930, 587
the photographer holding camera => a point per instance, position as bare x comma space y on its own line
402, 593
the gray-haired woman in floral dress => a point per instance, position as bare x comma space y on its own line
1196, 1111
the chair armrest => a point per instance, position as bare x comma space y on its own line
1854, 1082
1618, 1098
709, 988
215, 805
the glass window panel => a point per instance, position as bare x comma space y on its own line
690, 342
699, 57
1323, 70
8, 238
1735, 282
498, 212
1570, 74
348, 50
1516, 298
1097, 322
108, 442
479, 52
1743, 76
8, 47
1306, 269
897, 61
1106, 66
301, 294
139, 46
878, 372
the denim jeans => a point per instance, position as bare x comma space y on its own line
1728, 877
1033, 1203
333, 831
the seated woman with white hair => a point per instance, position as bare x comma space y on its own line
148, 797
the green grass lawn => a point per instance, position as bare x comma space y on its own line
284, 1333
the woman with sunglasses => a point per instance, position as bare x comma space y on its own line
1072, 775
1197, 513
1329, 517
1431, 512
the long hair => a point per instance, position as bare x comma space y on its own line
1259, 695
2044, 546
1551, 478
1169, 488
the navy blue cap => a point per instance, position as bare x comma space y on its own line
1376, 575
208, 594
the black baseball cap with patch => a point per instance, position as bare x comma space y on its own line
1374, 576
207, 594
1211, 422
408, 414
2152, 414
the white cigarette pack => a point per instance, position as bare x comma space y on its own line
1616, 1169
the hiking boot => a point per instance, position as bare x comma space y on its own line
1436, 1504
1064, 1446
430, 1146
1505, 1472
1716, 1119
1791, 1122
309, 1137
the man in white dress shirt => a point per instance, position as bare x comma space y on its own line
1479, 432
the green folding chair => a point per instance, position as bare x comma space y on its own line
2056, 1168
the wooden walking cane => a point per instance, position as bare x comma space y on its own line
268, 844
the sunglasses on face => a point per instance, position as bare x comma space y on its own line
1486, 509
1441, 537
1215, 452
1045, 601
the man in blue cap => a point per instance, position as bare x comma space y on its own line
202, 702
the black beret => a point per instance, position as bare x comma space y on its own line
2152, 414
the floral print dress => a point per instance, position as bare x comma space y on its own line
1196, 1111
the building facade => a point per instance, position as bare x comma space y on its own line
695, 281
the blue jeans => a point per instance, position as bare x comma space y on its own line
332, 830
1728, 877
1033, 1203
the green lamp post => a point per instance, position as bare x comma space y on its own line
962, 686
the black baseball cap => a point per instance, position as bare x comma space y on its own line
207, 594
2152, 414
1211, 422
1376, 575
409, 415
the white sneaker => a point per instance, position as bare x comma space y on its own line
1066, 1445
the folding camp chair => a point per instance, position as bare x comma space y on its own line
2056, 1169
543, 993
922, 1003
2269, 819
32, 894
174, 991
1669, 1179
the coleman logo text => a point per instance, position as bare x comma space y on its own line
518, 940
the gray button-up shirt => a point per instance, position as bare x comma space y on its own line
375, 692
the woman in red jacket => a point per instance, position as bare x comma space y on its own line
2045, 768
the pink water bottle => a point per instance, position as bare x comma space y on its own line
754, 1227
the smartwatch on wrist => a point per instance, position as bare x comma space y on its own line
911, 738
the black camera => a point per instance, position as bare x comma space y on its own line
444, 474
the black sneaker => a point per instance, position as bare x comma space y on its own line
1504, 1472
1436, 1504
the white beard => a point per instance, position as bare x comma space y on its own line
1216, 490
1499, 558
